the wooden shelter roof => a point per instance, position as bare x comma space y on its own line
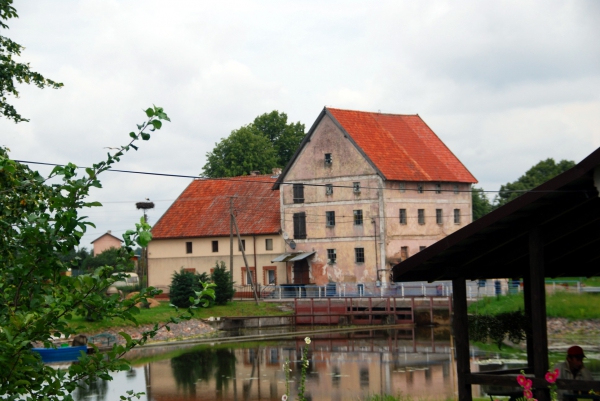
566, 210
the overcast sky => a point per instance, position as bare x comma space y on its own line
504, 84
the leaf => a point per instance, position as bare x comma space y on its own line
157, 124
145, 136
149, 112
132, 134
134, 147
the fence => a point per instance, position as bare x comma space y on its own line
475, 289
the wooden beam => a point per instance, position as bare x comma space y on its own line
538, 309
528, 313
460, 327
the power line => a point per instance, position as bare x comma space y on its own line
263, 181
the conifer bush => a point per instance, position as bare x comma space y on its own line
185, 284
224, 284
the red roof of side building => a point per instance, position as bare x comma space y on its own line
202, 210
401, 147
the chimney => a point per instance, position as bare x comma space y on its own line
255, 172
109, 231
276, 171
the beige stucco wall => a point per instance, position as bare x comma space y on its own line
105, 242
379, 201
166, 256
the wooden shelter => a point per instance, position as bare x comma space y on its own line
551, 231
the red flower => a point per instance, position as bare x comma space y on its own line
528, 384
528, 394
521, 379
552, 376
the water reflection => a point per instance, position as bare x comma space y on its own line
342, 366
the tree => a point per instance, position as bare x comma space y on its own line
285, 137
481, 203
243, 151
40, 221
184, 286
110, 257
12, 72
223, 283
268, 142
537, 175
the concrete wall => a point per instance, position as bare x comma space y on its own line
166, 256
381, 235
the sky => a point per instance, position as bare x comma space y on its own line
504, 84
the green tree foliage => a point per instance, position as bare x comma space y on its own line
223, 282
76, 258
12, 72
537, 175
40, 222
184, 286
266, 143
481, 203
110, 257
285, 137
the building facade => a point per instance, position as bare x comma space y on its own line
194, 233
105, 242
367, 190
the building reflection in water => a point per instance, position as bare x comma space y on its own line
342, 366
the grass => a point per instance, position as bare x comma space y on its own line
164, 312
560, 304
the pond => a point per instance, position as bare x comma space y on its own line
343, 366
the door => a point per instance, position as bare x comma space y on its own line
300, 269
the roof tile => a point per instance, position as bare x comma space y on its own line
202, 210
402, 147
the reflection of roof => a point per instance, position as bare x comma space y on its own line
104, 235
202, 210
399, 147
565, 211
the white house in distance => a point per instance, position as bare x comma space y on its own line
365, 191
106, 241
194, 233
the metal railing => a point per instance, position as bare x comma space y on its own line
476, 289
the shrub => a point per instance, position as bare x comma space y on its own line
224, 284
184, 285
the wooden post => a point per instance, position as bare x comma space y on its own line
538, 309
460, 326
528, 313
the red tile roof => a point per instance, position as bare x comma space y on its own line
202, 210
402, 147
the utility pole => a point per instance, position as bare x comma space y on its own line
231, 237
248, 272
144, 206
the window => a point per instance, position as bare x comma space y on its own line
246, 279
300, 225
269, 244
358, 218
269, 275
438, 188
402, 187
422, 248
330, 219
298, 193
455, 187
359, 255
456, 216
188, 247
242, 246
404, 252
356, 187
328, 189
190, 270
402, 214
421, 215
331, 256
420, 188
438, 216
328, 159
215, 246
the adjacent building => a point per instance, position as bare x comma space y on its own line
105, 242
194, 233
365, 191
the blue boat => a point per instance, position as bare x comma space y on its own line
61, 354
